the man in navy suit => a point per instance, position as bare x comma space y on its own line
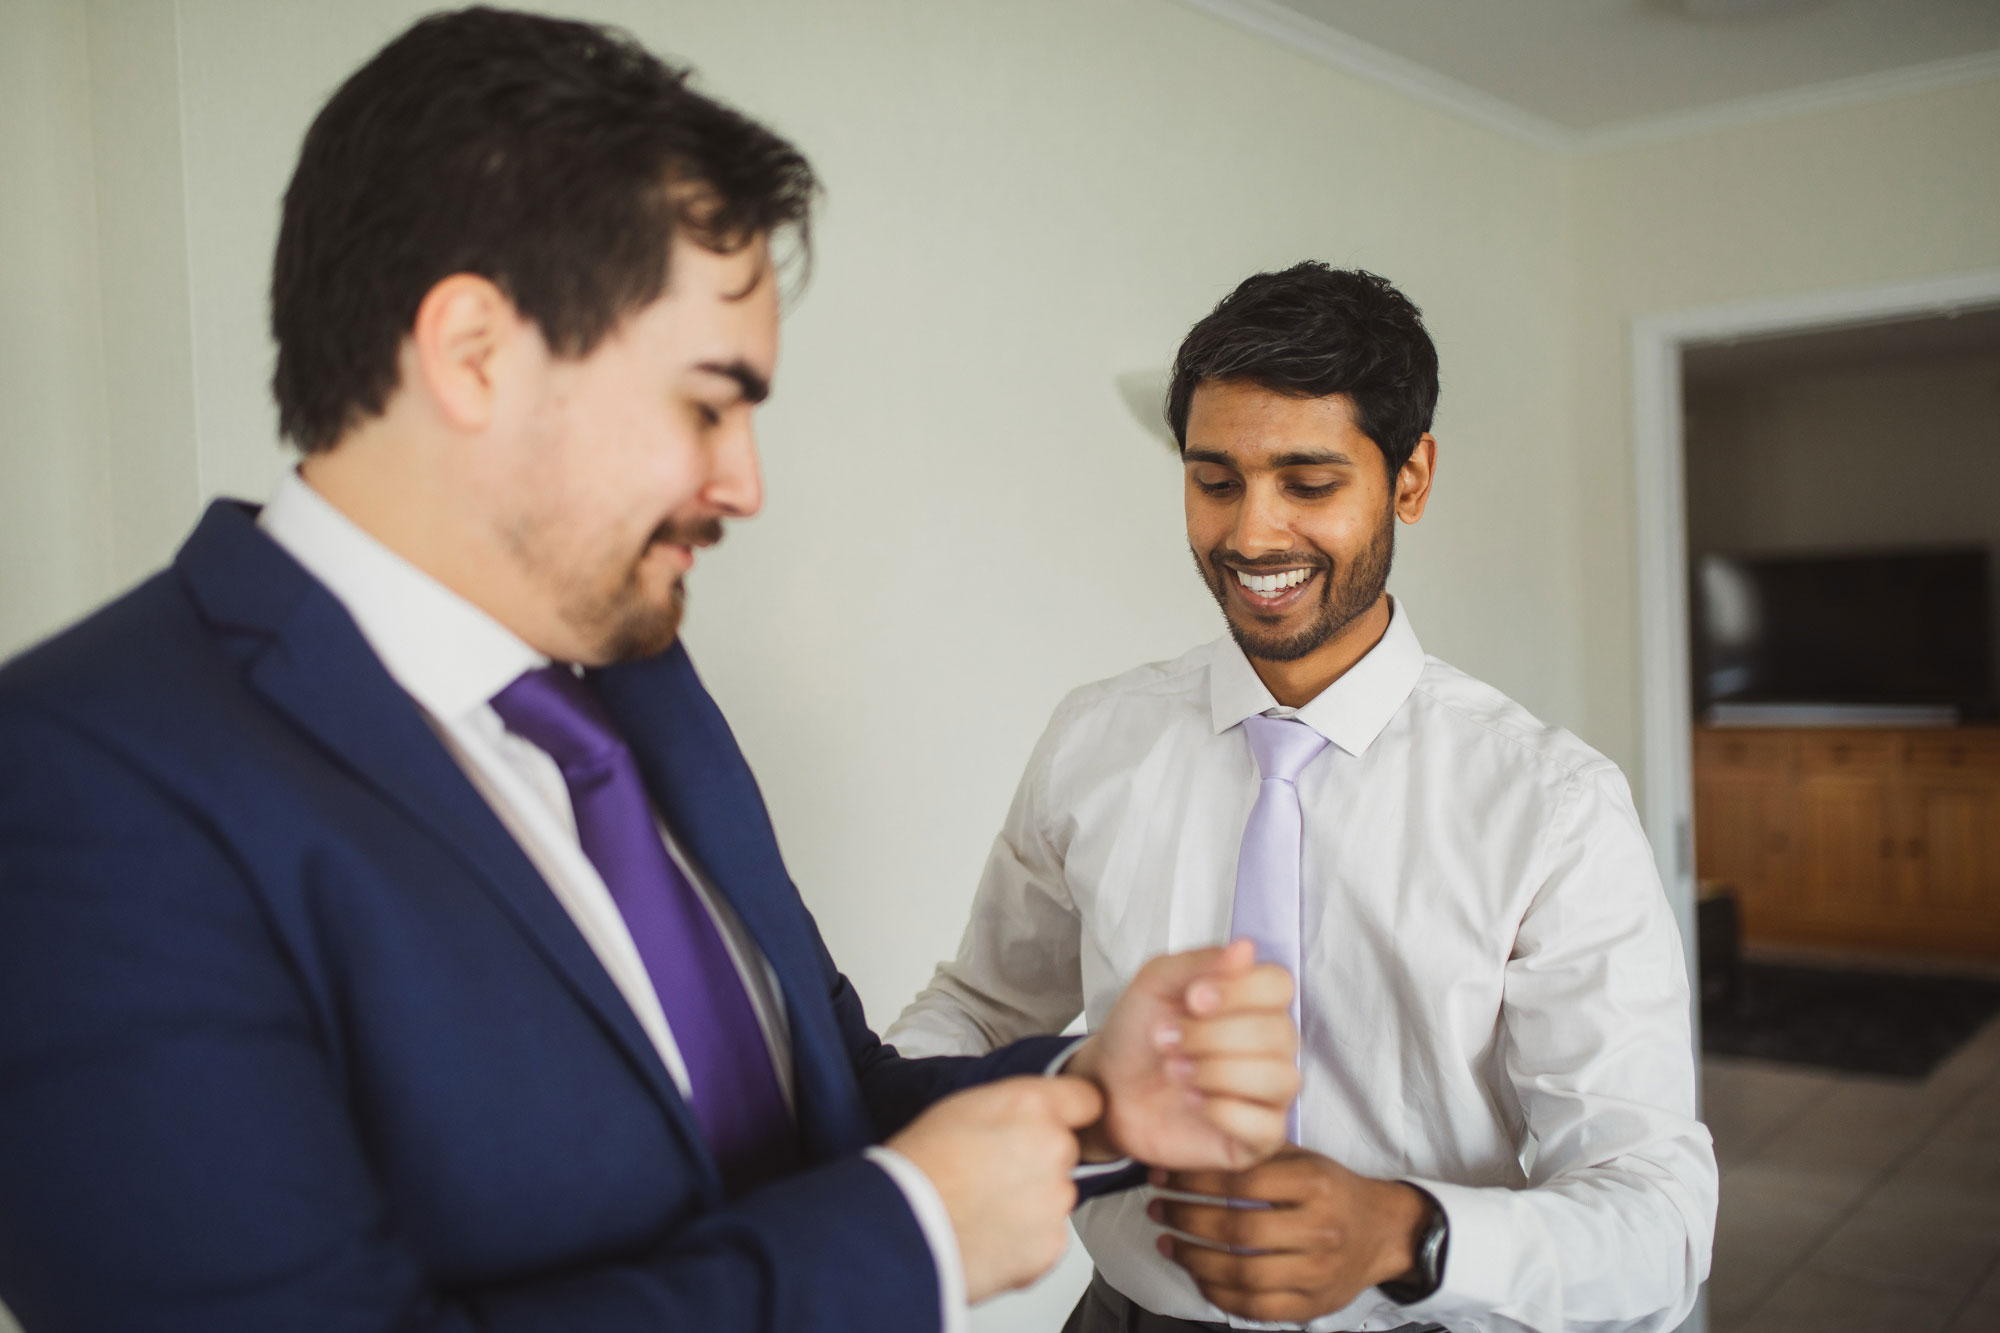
391, 933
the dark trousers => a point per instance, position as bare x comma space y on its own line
1104, 1309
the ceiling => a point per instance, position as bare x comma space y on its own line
1571, 72
1722, 365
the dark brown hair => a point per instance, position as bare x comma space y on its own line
1314, 331
556, 159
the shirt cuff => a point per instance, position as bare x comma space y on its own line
935, 1222
1086, 1171
1481, 1267
1062, 1057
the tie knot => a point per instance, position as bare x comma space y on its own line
1283, 746
551, 708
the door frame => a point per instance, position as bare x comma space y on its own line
1666, 724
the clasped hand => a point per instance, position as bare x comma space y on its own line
1194, 1069
1198, 1063
1314, 1236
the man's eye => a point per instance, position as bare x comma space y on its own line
1311, 492
1223, 487
709, 416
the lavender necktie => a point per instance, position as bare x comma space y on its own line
735, 1093
1269, 907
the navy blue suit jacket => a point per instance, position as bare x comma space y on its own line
294, 1039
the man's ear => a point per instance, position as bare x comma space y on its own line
1413, 481
464, 325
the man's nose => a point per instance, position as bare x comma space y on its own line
1263, 525
736, 482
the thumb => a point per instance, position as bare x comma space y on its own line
1171, 974
1074, 1102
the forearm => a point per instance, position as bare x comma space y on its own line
1624, 1245
792, 1256
1618, 1222
779, 1259
1017, 970
954, 1016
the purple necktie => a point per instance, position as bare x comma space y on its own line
1269, 905
735, 1092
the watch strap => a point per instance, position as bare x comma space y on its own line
1428, 1264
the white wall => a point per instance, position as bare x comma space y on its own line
53, 545
1897, 454
154, 485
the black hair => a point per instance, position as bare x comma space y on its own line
556, 159
1312, 332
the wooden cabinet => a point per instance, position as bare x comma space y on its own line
1860, 838
1845, 813
1953, 839
1743, 823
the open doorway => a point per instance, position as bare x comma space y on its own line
1820, 504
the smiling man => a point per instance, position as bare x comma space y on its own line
1496, 1129
392, 936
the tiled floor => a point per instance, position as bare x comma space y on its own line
1857, 1203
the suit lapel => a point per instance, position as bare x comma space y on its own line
705, 791
314, 667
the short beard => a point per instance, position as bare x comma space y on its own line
1344, 595
626, 629
619, 623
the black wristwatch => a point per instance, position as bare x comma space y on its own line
1428, 1266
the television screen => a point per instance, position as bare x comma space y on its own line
1881, 628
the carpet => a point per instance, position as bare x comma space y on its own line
1863, 1022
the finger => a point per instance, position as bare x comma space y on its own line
1270, 1082
1205, 993
1074, 1102
1210, 1184
1271, 1307
1288, 1178
1251, 1131
1261, 1228
1249, 1272
1170, 975
1259, 1034
1213, 1183
1236, 958
1266, 987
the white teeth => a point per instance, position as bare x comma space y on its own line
1268, 584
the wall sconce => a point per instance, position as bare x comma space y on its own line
1145, 395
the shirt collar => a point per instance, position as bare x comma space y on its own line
446, 653
1351, 712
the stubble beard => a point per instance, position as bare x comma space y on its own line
1345, 595
625, 626
617, 619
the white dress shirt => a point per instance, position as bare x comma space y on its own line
1494, 1002
452, 658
